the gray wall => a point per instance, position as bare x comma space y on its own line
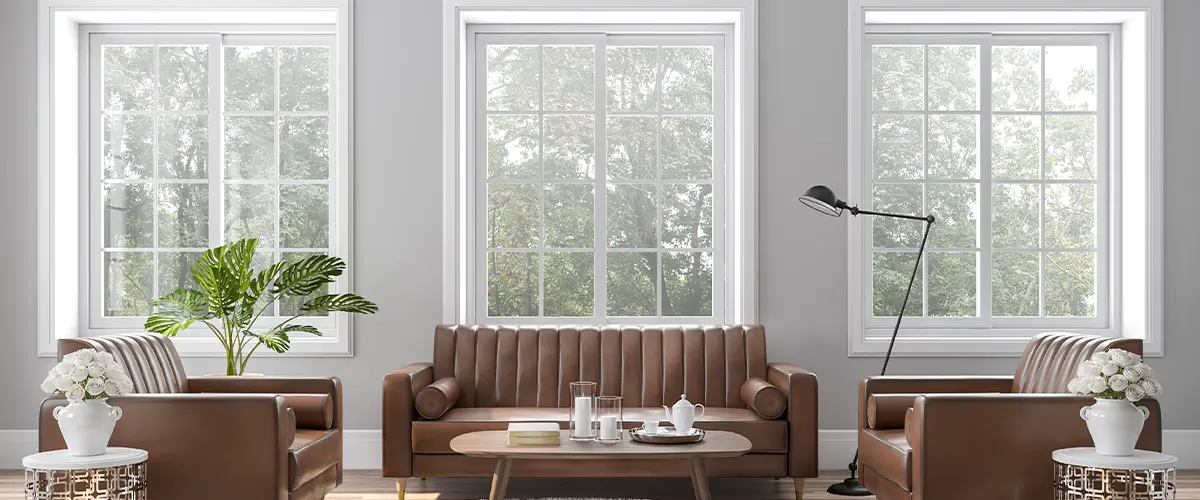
397, 252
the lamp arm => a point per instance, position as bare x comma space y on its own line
911, 279
857, 211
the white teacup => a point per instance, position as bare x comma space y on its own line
650, 427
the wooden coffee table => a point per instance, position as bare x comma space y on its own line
494, 444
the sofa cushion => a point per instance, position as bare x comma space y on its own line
435, 399
312, 453
433, 436
888, 453
886, 411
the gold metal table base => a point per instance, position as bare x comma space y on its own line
1073, 482
127, 482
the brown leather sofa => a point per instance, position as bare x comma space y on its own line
483, 378
983, 438
228, 438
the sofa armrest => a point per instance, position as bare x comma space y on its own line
301, 386
920, 384
399, 404
1017, 433
242, 439
800, 387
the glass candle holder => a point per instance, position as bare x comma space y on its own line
608, 415
583, 411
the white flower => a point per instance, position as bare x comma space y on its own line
106, 358
64, 368
95, 369
1118, 382
48, 385
1097, 385
1134, 373
1087, 369
1073, 386
82, 357
125, 384
1152, 387
95, 386
1109, 368
1124, 358
75, 393
63, 383
1148, 372
1134, 393
1101, 357
79, 374
112, 389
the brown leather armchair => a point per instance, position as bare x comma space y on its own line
483, 378
232, 438
984, 438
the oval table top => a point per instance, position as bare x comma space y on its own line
62, 459
494, 444
1140, 460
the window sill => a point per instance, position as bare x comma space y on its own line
983, 344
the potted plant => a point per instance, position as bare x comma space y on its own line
1116, 378
87, 379
230, 297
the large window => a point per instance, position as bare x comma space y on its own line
1004, 140
600, 166
197, 140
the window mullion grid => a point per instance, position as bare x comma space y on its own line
541, 186
984, 286
658, 196
216, 146
600, 233
278, 192
157, 187
1042, 184
924, 171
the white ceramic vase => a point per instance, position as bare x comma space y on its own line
1115, 425
87, 426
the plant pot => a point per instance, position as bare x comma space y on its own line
87, 426
1115, 425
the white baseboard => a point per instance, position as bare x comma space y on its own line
363, 449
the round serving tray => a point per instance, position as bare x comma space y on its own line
642, 437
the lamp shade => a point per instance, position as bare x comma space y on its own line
822, 199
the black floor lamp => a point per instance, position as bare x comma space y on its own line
822, 199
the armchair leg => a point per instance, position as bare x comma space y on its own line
401, 483
799, 482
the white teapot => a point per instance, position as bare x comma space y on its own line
683, 414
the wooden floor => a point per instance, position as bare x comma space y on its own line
367, 485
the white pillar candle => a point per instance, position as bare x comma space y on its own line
608, 427
583, 416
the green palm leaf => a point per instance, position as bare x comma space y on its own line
344, 302
274, 340
223, 274
177, 311
307, 275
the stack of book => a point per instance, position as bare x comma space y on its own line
533, 434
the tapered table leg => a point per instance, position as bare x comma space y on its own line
700, 479
500, 479
401, 484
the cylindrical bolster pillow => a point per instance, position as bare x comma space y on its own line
437, 398
910, 427
765, 399
886, 411
289, 426
313, 411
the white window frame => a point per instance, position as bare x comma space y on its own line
1135, 146
464, 293
68, 279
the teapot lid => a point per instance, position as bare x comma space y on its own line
683, 401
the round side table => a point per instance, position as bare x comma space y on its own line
119, 474
1081, 473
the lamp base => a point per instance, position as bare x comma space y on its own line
849, 488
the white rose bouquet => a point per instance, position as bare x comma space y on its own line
1115, 374
87, 374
